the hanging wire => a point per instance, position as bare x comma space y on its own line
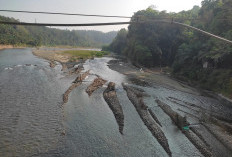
57, 13
63, 24
136, 19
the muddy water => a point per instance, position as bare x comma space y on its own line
32, 120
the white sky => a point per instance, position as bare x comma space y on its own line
105, 7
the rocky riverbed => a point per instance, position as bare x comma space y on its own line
111, 98
144, 78
210, 119
126, 111
136, 97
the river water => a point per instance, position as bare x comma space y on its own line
32, 119
30, 97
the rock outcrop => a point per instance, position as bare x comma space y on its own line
136, 97
111, 98
75, 84
191, 134
97, 83
52, 63
81, 77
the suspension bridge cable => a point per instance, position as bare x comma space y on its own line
64, 25
118, 23
141, 17
204, 32
57, 13
191, 27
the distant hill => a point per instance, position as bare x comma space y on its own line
97, 37
36, 36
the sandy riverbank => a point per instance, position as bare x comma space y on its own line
51, 54
6, 47
67, 57
56, 54
9, 47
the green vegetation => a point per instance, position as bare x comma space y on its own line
118, 43
37, 36
194, 57
85, 54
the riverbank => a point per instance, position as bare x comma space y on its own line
10, 47
52, 54
146, 77
117, 120
207, 114
67, 57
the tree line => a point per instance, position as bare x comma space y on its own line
37, 36
192, 56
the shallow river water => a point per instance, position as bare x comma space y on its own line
32, 119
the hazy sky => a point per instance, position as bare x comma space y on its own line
106, 7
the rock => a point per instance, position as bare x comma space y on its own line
154, 117
76, 69
63, 133
81, 77
52, 64
98, 82
180, 121
111, 98
75, 84
136, 97
111, 86
66, 94
64, 66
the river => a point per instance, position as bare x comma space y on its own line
33, 120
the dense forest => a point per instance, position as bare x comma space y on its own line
37, 36
194, 57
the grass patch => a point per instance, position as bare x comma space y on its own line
85, 54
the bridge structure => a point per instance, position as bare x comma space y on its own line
137, 20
